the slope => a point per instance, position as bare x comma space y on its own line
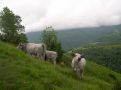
19, 71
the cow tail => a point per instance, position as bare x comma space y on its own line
44, 51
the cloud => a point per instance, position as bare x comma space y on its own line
60, 14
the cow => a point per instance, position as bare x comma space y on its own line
51, 55
33, 49
78, 64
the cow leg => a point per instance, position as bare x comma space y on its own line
38, 56
81, 74
54, 61
41, 57
75, 67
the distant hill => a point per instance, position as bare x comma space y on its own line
75, 37
34, 36
19, 71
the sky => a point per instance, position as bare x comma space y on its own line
64, 14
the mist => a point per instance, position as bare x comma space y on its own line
63, 14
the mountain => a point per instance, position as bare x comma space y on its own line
75, 37
19, 71
34, 36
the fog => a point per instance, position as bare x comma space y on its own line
62, 14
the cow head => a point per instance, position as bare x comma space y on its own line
80, 57
22, 46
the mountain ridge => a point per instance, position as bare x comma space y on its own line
73, 38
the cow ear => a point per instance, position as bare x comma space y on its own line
82, 56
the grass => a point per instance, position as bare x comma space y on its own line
19, 71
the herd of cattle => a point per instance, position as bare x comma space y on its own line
40, 51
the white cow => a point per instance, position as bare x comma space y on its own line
51, 55
78, 64
33, 49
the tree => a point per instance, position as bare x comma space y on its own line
50, 38
11, 28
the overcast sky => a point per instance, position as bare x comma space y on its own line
61, 14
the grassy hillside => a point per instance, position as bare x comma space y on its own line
19, 71
72, 38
